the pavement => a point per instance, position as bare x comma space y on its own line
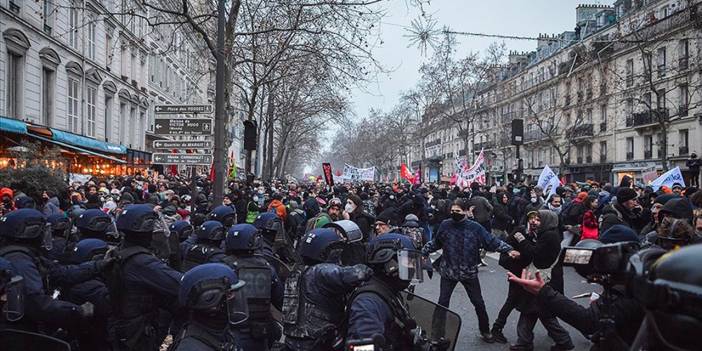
493, 282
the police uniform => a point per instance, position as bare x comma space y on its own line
207, 246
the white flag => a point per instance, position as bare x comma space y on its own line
548, 179
669, 179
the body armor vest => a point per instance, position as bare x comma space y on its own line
256, 272
199, 254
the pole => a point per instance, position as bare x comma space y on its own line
193, 191
220, 123
519, 166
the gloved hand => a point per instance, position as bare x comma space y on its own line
357, 274
104, 264
86, 310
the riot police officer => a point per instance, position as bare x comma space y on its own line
268, 225
377, 307
94, 335
11, 286
263, 287
139, 284
212, 293
94, 224
209, 237
313, 307
223, 214
24, 233
60, 232
180, 232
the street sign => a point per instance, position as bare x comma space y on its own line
183, 126
182, 144
191, 109
181, 159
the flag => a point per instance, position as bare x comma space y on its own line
406, 174
670, 178
548, 180
212, 173
476, 172
233, 171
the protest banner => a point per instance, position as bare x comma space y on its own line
548, 180
328, 175
355, 174
670, 178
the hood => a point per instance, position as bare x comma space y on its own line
678, 208
549, 220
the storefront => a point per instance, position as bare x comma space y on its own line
635, 170
72, 153
599, 172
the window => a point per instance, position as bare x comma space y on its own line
131, 138
123, 59
15, 6
630, 148
91, 37
15, 68
629, 72
91, 99
603, 151
661, 61
108, 117
122, 125
683, 139
47, 96
109, 47
73, 105
48, 16
140, 128
660, 99
588, 116
134, 66
588, 153
648, 146
683, 101
646, 101
603, 118
647, 63
683, 54
73, 23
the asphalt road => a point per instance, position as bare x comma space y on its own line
494, 288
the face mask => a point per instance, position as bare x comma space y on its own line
255, 198
349, 208
554, 209
533, 200
457, 216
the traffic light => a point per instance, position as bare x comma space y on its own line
517, 131
250, 135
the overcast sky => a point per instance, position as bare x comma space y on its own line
506, 17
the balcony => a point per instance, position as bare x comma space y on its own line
644, 119
603, 126
648, 154
683, 150
683, 63
682, 111
629, 156
534, 135
583, 130
484, 145
432, 143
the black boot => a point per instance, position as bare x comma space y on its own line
497, 335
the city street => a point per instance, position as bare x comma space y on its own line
494, 287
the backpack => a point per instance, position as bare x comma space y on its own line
317, 222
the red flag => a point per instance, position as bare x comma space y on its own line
173, 169
212, 173
406, 174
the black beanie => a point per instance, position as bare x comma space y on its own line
626, 194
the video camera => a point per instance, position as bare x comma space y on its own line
600, 263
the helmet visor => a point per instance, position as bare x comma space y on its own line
237, 308
13, 306
410, 265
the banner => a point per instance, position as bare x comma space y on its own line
354, 174
674, 176
548, 180
476, 173
418, 176
649, 175
328, 175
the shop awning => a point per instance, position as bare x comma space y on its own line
80, 149
12, 125
75, 139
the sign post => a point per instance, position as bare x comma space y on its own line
182, 109
183, 144
183, 126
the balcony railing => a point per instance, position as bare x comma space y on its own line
661, 71
534, 135
484, 145
583, 130
683, 150
629, 156
647, 117
629, 80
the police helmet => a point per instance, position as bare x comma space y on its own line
268, 221
25, 223
319, 244
224, 214
137, 219
183, 229
11, 286
210, 230
88, 249
60, 224
241, 237
197, 219
396, 256
673, 296
211, 286
93, 221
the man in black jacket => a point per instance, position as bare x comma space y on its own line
626, 210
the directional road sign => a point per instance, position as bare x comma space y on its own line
182, 144
183, 126
189, 109
181, 159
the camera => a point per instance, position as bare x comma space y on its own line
600, 263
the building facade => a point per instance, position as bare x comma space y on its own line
606, 100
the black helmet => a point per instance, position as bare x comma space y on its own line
672, 294
211, 231
93, 223
25, 223
224, 214
214, 288
395, 256
321, 245
137, 223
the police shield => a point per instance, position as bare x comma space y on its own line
437, 324
348, 229
258, 282
19, 340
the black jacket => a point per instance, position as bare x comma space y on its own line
616, 214
502, 220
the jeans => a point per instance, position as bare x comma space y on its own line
472, 286
525, 329
507, 307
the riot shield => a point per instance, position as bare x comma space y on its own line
258, 282
20, 340
438, 324
348, 229
280, 267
